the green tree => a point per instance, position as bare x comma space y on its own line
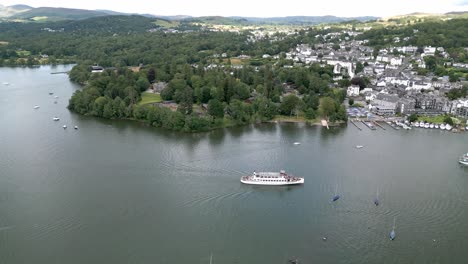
448, 120
327, 106
142, 84
351, 101
151, 75
216, 108
289, 104
412, 118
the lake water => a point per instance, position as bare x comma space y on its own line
122, 192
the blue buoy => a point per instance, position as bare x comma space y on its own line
335, 198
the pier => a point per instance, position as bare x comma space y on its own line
379, 125
352, 122
392, 125
369, 125
65, 72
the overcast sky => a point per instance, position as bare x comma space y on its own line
257, 8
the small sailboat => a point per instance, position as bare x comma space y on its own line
336, 196
56, 97
376, 199
56, 119
297, 143
392, 233
359, 146
36, 107
76, 127
64, 126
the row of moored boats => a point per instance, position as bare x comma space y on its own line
432, 126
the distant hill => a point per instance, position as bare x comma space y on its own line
55, 14
289, 20
21, 7
307, 20
7, 11
217, 20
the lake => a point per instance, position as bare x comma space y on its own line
122, 192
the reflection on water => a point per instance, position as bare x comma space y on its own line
124, 192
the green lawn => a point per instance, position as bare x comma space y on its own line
147, 98
433, 119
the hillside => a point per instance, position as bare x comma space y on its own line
7, 11
307, 20
55, 14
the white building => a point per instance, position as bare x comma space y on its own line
353, 90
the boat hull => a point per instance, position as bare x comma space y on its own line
463, 162
301, 181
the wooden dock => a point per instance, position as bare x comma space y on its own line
352, 122
392, 126
379, 125
369, 125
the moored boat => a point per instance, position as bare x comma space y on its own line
431, 125
56, 119
464, 159
436, 126
271, 178
442, 126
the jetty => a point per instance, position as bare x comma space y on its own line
379, 125
369, 125
64, 72
352, 122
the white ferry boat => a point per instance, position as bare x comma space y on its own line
464, 159
271, 178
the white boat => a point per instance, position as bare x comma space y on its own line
56, 119
56, 96
442, 126
436, 126
297, 143
464, 159
359, 146
36, 107
6, 83
421, 124
64, 126
76, 127
448, 127
431, 126
416, 124
271, 178
426, 125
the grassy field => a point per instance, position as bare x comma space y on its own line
166, 24
23, 53
148, 98
432, 119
